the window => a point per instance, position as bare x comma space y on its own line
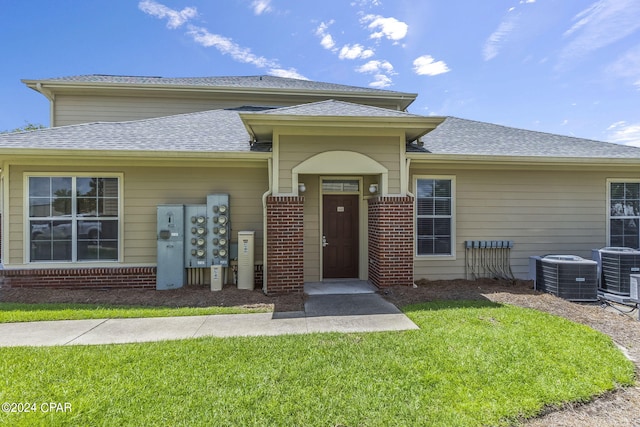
434, 216
340, 185
73, 218
624, 214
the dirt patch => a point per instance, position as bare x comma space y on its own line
188, 296
619, 408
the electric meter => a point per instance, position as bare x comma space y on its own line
200, 253
219, 225
201, 231
201, 220
200, 242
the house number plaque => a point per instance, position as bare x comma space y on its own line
340, 209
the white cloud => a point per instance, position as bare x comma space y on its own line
261, 6
355, 51
224, 45
376, 66
623, 133
227, 47
495, 41
381, 70
380, 81
175, 18
326, 39
390, 28
365, 3
290, 73
627, 67
599, 25
426, 65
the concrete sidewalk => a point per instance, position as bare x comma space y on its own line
323, 313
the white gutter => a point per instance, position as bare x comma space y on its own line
461, 159
264, 227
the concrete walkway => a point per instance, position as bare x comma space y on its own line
323, 313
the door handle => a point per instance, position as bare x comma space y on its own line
324, 241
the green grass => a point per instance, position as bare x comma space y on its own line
470, 364
17, 312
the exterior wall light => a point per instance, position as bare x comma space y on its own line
302, 188
373, 188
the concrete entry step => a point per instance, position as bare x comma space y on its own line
339, 287
348, 305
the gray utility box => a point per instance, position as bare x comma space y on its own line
615, 265
567, 276
170, 256
196, 235
220, 229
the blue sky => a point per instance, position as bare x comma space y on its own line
567, 67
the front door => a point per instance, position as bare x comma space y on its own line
340, 236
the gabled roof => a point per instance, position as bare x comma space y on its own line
224, 85
456, 136
264, 81
333, 108
337, 114
203, 132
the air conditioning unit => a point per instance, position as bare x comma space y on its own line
616, 265
634, 288
567, 276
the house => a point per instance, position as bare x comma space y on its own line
336, 181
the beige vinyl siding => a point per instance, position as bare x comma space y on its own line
296, 149
311, 228
543, 212
75, 109
146, 187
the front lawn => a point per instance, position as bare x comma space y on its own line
471, 364
18, 312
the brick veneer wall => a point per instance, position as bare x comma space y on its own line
81, 278
391, 241
285, 250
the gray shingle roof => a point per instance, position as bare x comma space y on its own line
335, 108
256, 82
208, 131
468, 137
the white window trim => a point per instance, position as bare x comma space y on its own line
608, 202
452, 255
25, 219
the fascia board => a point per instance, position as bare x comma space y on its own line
403, 98
151, 155
430, 158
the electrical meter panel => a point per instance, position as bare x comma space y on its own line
220, 229
196, 231
170, 235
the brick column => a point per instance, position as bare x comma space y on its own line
391, 241
285, 249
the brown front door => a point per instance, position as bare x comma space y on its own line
340, 236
